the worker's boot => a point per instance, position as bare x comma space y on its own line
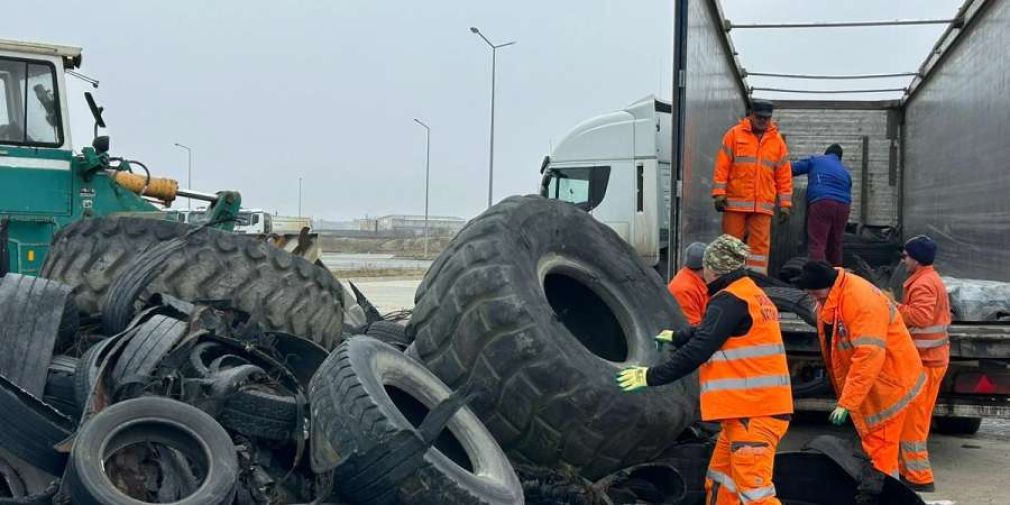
920, 488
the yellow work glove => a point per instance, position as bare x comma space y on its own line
838, 416
664, 337
633, 378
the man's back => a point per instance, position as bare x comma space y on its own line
827, 178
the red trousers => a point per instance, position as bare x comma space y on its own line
826, 221
743, 461
914, 459
755, 229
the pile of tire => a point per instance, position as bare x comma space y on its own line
182, 364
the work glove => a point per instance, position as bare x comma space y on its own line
784, 213
633, 378
664, 337
838, 416
720, 203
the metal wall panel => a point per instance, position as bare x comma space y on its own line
957, 147
715, 102
810, 131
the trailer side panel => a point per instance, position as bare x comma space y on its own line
957, 126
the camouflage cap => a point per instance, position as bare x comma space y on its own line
726, 254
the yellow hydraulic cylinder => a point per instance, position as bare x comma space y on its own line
160, 188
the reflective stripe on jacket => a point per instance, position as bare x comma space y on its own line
926, 312
872, 362
748, 376
691, 293
753, 172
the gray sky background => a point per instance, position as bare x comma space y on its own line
267, 91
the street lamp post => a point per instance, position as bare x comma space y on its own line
189, 172
299, 197
427, 166
494, 57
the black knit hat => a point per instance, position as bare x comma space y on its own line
816, 275
922, 249
762, 108
834, 149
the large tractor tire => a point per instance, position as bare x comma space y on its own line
287, 292
539, 305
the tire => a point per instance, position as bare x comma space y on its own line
288, 293
367, 394
389, 332
152, 420
484, 314
795, 301
792, 268
957, 425
151, 342
119, 304
86, 375
60, 392
32, 319
30, 429
262, 414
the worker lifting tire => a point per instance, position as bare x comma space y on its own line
288, 293
539, 306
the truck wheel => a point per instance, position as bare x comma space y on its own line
154, 423
540, 306
287, 292
365, 395
957, 425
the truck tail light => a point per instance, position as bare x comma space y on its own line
982, 383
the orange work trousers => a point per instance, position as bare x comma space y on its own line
881, 443
914, 457
743, 461
755, 229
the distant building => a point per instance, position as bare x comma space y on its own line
437, 225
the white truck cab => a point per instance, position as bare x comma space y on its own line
613, 166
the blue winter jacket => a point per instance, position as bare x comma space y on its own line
827, 178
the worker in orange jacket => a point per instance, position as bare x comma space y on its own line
870, 358
926, 312
744, 377
752, 171
688, 286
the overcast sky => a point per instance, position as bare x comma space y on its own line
268, 91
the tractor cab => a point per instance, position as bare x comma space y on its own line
44, 184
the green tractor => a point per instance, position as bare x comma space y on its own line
44, 185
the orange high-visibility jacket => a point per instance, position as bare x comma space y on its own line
926, 312
752, 172
871, 359
691, 293
748, 376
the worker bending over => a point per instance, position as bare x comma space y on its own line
926, 312
870, 359
751, 171
688, 286
744, 377
829, 195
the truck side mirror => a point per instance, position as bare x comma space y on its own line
101, 144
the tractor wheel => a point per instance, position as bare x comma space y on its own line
286, 292
540, 306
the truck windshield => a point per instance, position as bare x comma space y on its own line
583, 186
29, 109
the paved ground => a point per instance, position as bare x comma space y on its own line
969, 470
